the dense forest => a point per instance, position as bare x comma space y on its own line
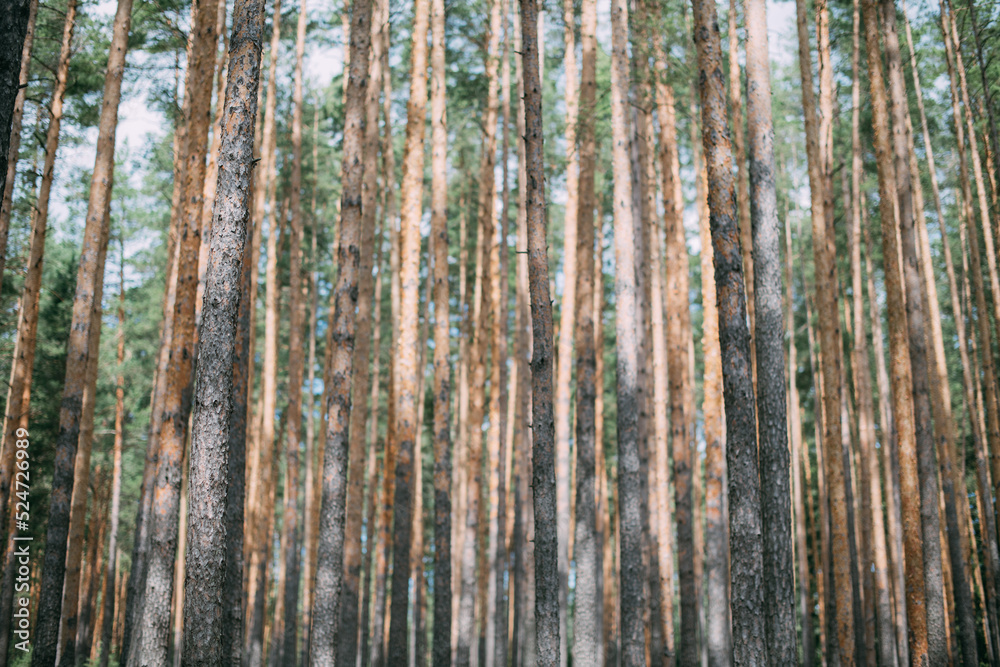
489, 332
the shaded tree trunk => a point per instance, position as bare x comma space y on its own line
543, 428
329, 567
588, 647
12, 146
22, 368
779, 583
734, 339
109, 597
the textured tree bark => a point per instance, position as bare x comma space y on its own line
742, 176
19, 394
17, 15
542, 426
171, 422
916, 310
329, 567
564, 347
916, 611
588, 645
222, 381
406, 343
93, 563
631, 589
779, 582
876, 560
348, 645
441, 434
109, 597
12, 145
744, 488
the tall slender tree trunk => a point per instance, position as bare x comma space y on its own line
474, 589
543, 428
496, 637
289, 525
441, 434
916, 611
741, 446
405, 356
12, 155
266, 473
210, 553
739, 158
779, 582
171, 422
916, 310
564, 349
629, 501
13, 28
347, 647
329, 567
876, 560
588, 648
22, 368
108, 597
826, 282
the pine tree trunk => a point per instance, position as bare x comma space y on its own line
876, 560
329, 567
779, 583
288, 651
171, 423
916, 310
14, 27
542, 424
917, 614
564, 348
587, 637
19, 393
109, 597
742, 176
406, 353
744, 487
441, 434
348, 646
631, 591
13, 148
215, 508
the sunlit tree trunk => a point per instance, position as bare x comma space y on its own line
917, 614
210, 553
564, 349
406, 352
